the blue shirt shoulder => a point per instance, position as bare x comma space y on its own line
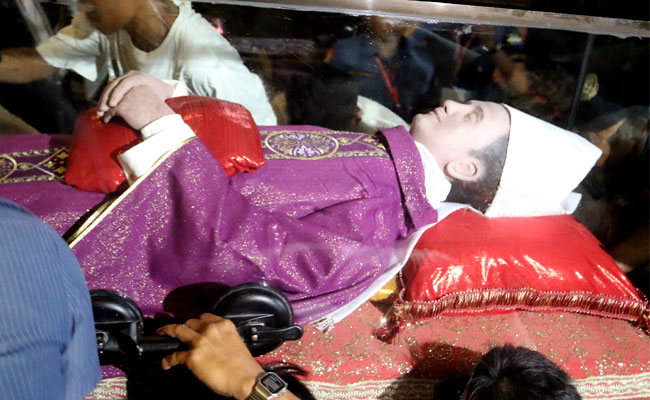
47, 335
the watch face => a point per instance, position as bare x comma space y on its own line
272, 383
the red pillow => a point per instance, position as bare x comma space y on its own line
227, 129
470, 264
92, 162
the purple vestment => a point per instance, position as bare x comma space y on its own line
32, 169
317, 221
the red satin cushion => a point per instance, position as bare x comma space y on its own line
92, 162
227, 129
471, 264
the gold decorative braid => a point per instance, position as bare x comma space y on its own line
89, 220
479, 300
51, 167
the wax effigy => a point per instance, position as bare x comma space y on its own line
318, 221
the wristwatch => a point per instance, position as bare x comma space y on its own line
269, 385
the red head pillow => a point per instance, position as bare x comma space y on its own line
227, 129
470, 264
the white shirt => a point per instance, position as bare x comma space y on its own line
193, 52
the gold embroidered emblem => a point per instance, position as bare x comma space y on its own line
33, 165
316, 145
302, 145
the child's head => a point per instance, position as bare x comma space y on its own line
515, 373
110, 16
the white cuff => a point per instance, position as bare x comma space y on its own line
162, 136
168, 122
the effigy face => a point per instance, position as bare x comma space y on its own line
289, 183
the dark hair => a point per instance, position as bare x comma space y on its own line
480, 193
514, 373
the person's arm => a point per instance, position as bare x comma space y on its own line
22, 65
218, 357
514, 73
235, 83
115, 91
77, 47
213, 68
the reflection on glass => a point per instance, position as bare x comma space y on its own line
347, 73
165, 39
317, 72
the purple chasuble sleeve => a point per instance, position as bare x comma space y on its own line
318, 221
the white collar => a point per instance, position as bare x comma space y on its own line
435, 181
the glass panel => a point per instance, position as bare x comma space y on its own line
612, 111
348, 66
602, 8
353, 72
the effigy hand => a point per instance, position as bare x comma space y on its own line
217, 356
118, 88
139, 106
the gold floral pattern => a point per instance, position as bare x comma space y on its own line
316, 145
33, 165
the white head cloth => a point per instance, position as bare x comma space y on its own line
543, 165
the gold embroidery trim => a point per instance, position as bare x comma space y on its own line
53, 174
340, 154
326, 143
476, 301
91, 218
98, 216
